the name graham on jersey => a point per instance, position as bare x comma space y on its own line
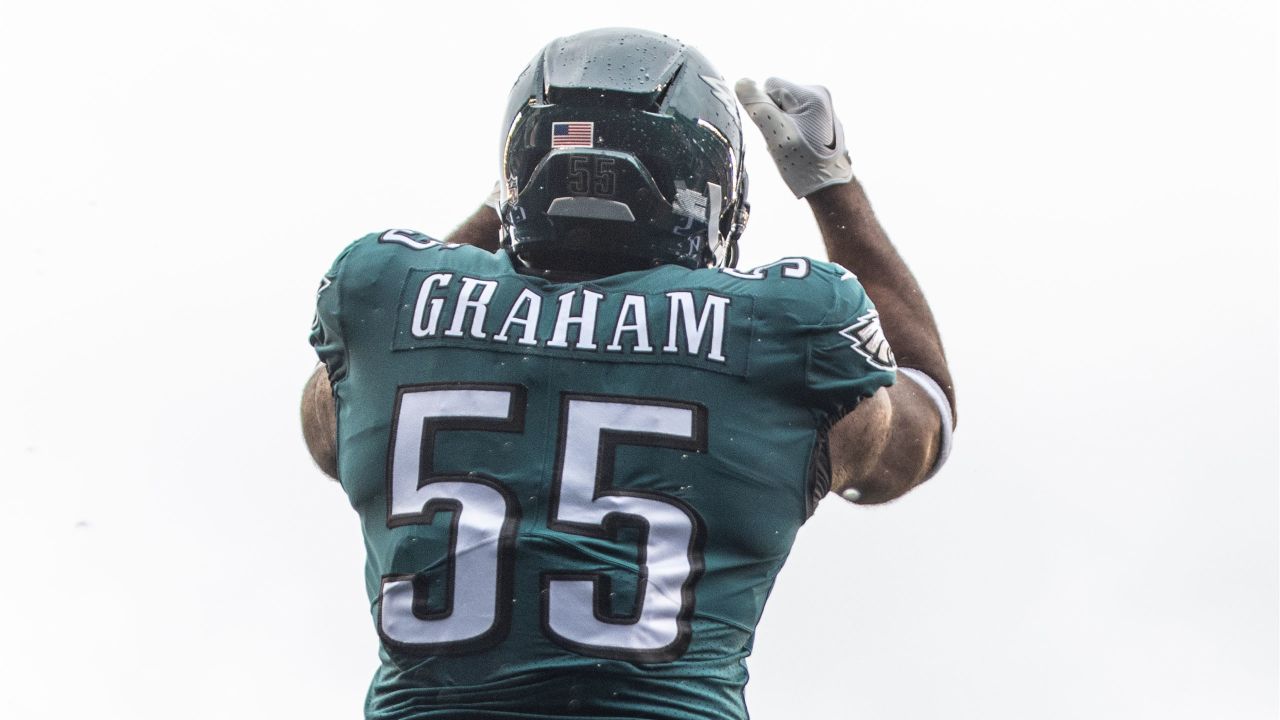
691, 327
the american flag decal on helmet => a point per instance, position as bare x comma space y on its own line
573, 134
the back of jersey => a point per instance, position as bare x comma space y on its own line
575, 497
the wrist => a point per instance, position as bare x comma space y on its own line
842, 196
828, 184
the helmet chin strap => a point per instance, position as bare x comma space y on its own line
713, 214
724, 249
714, 241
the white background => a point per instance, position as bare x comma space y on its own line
1086, 190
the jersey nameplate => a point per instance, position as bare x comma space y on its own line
693, 327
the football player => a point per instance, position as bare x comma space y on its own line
580, 454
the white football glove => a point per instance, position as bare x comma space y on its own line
801, 129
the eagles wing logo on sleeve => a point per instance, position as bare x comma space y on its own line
869, 341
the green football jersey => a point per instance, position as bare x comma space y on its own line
575, 496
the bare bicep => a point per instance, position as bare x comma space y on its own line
320, 422
887, 444
857, 441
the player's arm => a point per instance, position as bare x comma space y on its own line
320, 422
318, 411
481, 229
854, 239
894, 440
888, 445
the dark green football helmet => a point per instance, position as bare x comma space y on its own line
622, 150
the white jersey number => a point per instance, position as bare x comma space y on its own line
575, 608
485, 517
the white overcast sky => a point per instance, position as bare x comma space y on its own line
1086, 190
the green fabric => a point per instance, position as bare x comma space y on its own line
779, 375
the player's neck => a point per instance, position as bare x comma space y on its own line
555, 276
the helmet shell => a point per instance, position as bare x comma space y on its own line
619, 148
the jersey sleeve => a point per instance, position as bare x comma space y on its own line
326, 329
849, 357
